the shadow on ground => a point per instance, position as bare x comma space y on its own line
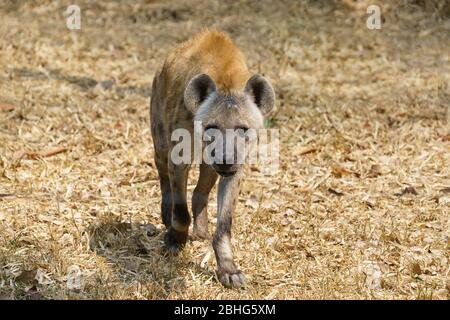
84, 83
136, 254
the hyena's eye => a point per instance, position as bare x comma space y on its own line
243, 128
211, 126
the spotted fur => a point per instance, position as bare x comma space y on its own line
206, 79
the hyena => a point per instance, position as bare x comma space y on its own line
205, 79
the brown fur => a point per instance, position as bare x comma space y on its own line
211, 52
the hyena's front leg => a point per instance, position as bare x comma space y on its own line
228, 273
166, 190
177, 234
206, 181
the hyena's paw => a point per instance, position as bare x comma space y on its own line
235, 279
174, 240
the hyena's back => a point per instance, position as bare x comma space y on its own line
211, 52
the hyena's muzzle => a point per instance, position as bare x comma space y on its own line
227, 150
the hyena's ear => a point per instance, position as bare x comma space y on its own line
262, 93
197, 90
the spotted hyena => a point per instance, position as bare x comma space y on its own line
205, 79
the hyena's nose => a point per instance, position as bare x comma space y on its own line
225, 170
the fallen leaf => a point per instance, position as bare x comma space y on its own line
445, 190
6, 107
339, 171
307, 150
327, 233
375, 171
415, 268
47, 153
4, 195
337, 193
407, 190
31, 155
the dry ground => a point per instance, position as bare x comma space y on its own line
359, 207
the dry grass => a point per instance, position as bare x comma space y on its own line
364, 213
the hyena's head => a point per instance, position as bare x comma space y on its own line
229, 121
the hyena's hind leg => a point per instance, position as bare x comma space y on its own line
206, 181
